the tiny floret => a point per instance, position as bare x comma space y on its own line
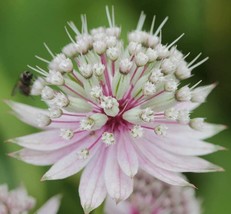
147, 115
98, 69
60, 100
108, 138
141, 59
83, 154
66, 134
43, 120
149, 89
183, 94
137, 131
47, 93
125, 66
161, 130
87, 123
55, 78
55, 112
86, 70
171, 114
96, 92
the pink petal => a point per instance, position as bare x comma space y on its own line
171, 162
51, 206
69, 164
122, 208
172, 178
48, 140
92, 190
119, 185
126, 155
191, 147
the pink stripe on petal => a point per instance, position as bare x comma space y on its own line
70, 164
92, 190
126, 155
175, 163
172, 178
190, 147
48, 140
119, 185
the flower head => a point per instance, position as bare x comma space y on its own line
113, 109
17, 201
154, 196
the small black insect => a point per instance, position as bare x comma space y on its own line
24, 84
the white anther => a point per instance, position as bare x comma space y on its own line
149, 89
183, 116
141, 59
43, 120
137, 131
152, 54
134, 48
113, 53
37, 86
55, 112
70, 50
47, 93
98, 69
60, 100
99, 47
55, 78
66, 134
168, 66
83, 154
96, 92
156, 76
182, 71
161, 130
183, 94
147, 115
86, 70
162, 51
197, 124
87, 123
171, 114
111, 41
170, 85
125, 66
108, 138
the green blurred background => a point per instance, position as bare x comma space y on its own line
26, 24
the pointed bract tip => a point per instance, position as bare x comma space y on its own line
14, 155
44, 178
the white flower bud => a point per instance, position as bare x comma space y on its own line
47, 93
183, 94
99, 47
37, 86
55, 112
152, 54
43, 120
152, 41
141, 59
197, 124
96, 92
113, 31
60, 100
86, 70
108, 138
111, 41
182, 71
113, 53
55, 78
170, 85
66, 134
125, 66
70, 50
61, 63
162, 51
171, 114
149, 89
137, 131
156, 76
87, 123
98, 69
161, 130
147, 115
168, 66
134, 48
110, 106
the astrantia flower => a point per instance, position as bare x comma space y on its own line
113, 109
17, 201
152, 196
